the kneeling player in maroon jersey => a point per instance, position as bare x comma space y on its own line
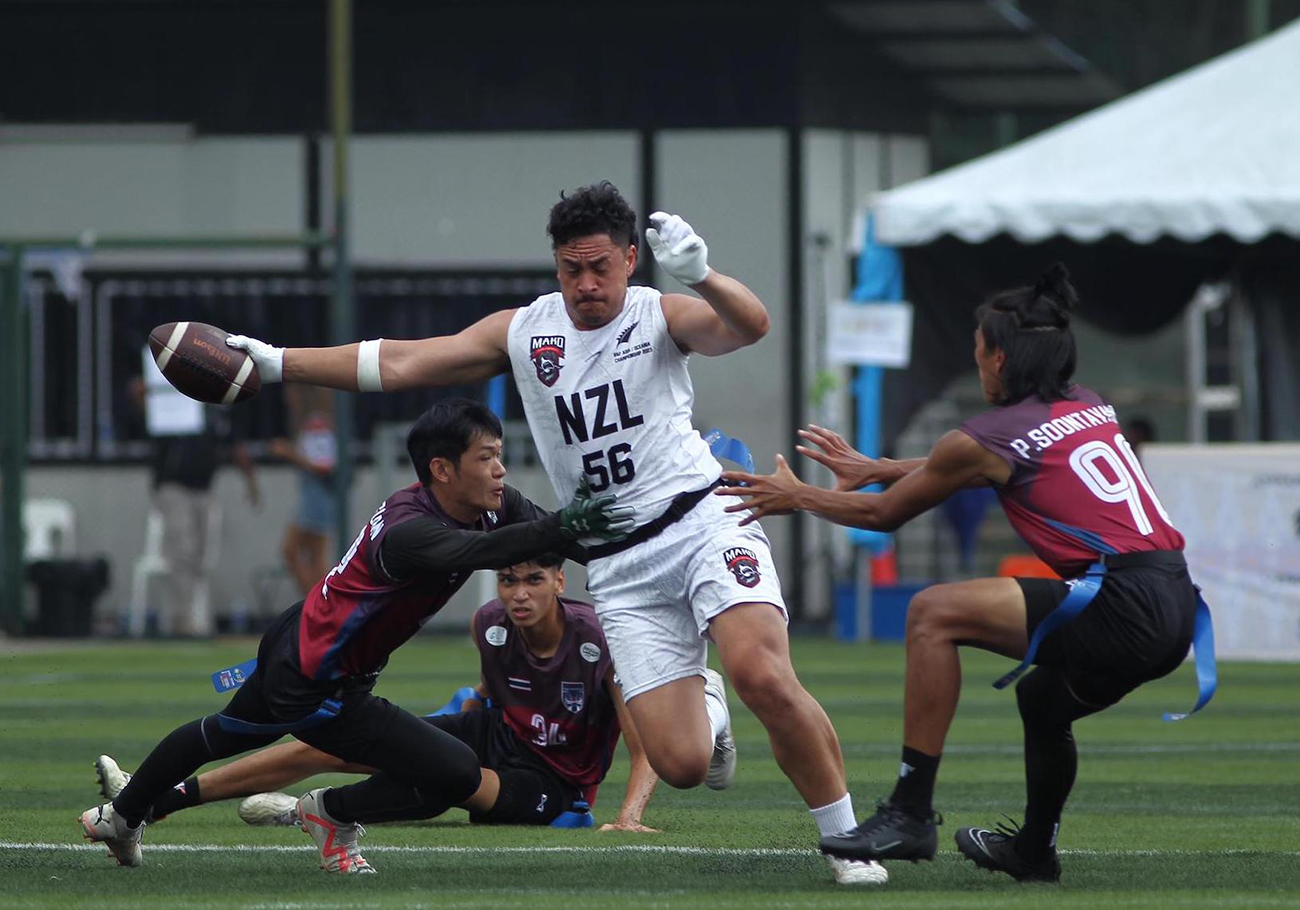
317, 664
1072, 487
544, 740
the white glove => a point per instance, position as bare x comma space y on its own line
268, 358
682, 252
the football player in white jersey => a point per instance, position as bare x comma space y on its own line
601, 369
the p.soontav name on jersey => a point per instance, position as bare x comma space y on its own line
403, 567
611, 404
1076, 488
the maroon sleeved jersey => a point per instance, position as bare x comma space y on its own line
391, 581
559, 705
1076, 488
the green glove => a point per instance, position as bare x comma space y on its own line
596, 516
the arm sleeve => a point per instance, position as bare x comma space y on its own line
427, 545
518, 507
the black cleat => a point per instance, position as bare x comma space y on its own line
996, 852
892, 833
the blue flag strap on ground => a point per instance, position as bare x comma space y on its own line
734, 450
1207, 676
233, 677
578, 817
328, 710
462, 695
1082, 591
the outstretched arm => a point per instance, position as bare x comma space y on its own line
641, 778
472, 355
957, 461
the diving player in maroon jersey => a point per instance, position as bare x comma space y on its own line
318, 662
544, 743
1072, 487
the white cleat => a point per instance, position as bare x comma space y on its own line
857, 872
337, 841
270, 809
112, 779
104, 826
722, 766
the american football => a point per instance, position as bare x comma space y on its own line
194, 358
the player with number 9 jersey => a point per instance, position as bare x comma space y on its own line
1073, 488
1076, 487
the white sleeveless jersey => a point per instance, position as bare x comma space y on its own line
613, 403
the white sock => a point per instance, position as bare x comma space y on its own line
835, 818
718, 715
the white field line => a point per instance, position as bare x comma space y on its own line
610, 849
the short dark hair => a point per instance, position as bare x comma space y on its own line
542, 561
1031, 326
446, 430
596, 209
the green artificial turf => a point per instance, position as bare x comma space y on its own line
1202, 813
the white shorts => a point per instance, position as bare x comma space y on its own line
655, 600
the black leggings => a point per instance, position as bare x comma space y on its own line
423, 770
1048, 709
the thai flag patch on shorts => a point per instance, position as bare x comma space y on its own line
523, 685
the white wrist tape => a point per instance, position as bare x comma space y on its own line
368, 379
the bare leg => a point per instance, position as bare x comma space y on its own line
987, 613
755, 651
271, 769
304, 556
485, 797
288, 763
674, 728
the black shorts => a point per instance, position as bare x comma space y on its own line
532, 793
277, 692
1137, 628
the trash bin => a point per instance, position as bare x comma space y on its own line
66, 590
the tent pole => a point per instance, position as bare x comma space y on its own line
342, 321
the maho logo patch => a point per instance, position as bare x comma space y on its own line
546, 352
743, 564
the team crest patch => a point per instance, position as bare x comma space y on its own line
590, 652
573, 695
743, 564
547, 351
495, 635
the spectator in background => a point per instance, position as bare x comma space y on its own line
190, 441
1139, 431
313, 451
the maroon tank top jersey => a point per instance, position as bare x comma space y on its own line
359, 614
559, 705
1076, 488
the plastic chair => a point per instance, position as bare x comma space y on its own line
49, 526
152, 563
1024, 565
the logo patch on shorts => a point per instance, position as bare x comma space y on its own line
547, 351
590, 652
743, 564
573, 695
496, 635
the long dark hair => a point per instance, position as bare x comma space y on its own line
1031, 326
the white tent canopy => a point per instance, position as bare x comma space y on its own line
1215, 150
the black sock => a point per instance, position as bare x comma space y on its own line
915, 787
181, 796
